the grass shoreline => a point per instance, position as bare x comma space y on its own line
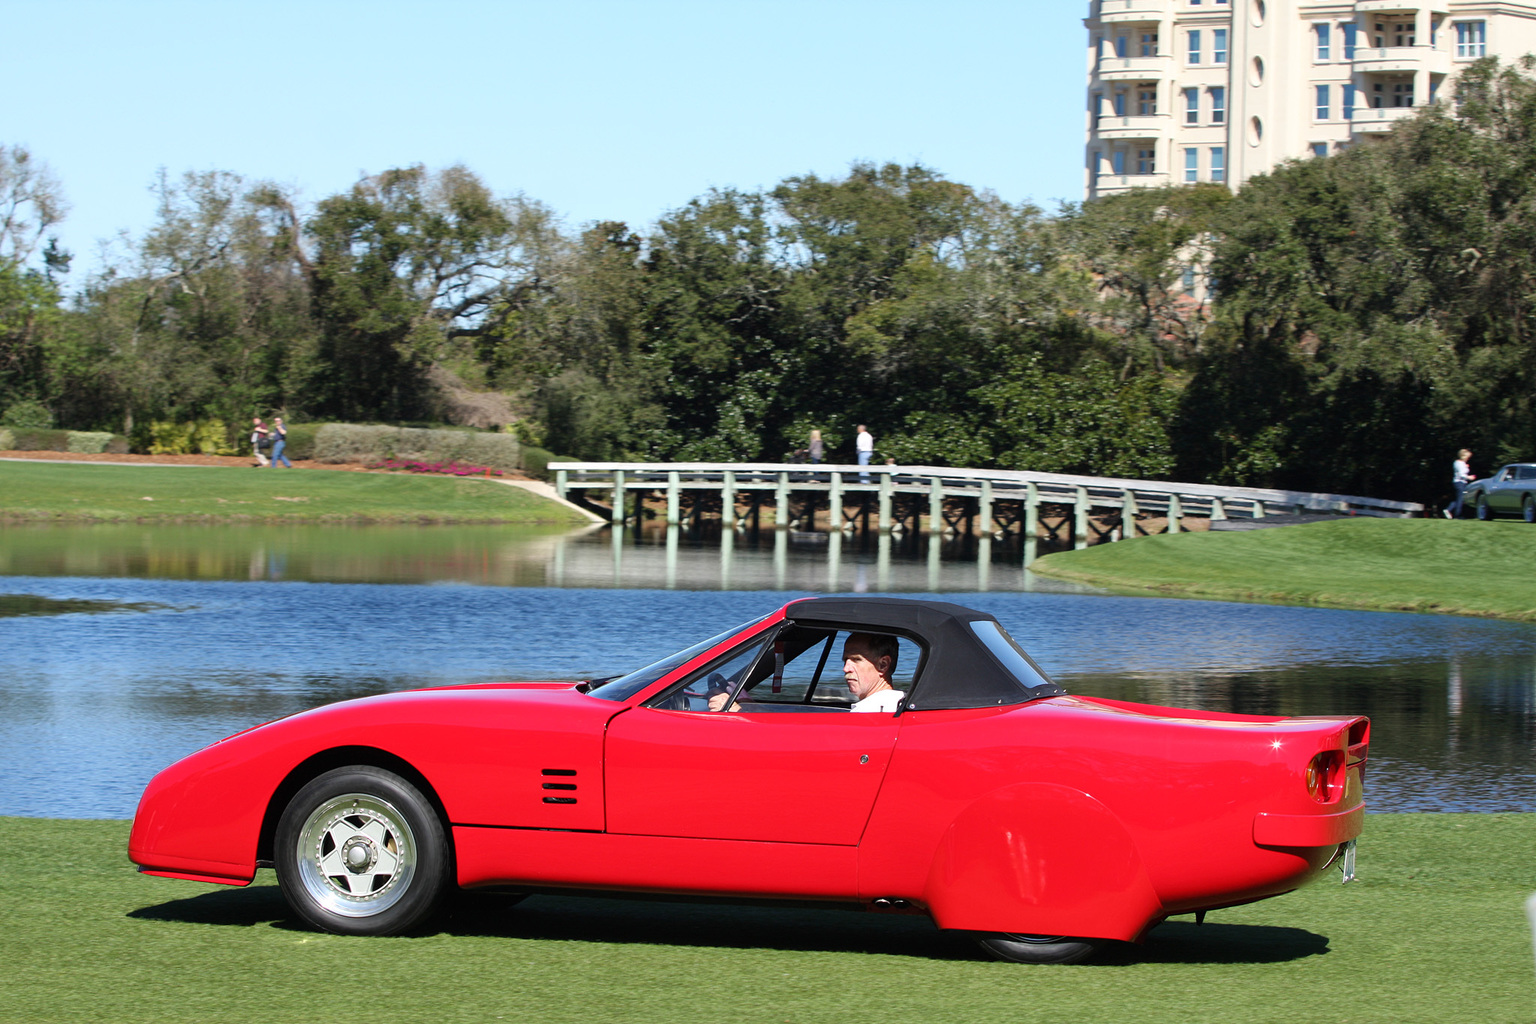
33, 492
1433, 927
1459, 567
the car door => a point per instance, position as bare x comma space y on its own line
782, 769
1502, 494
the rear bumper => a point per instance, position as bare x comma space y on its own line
1308, 829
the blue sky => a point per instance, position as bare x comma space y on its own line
601, 109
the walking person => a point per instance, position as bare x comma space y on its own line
279, 442
1461, 475
817, 451
260, 441
865, 444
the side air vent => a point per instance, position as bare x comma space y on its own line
559, 786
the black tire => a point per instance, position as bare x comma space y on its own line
1039, 949
360, 851
1483, 511
1528, 509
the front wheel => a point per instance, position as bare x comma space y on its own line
1483, 511
1528, 509
360, 851
1039, 949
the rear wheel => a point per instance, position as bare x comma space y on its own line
1039, 949
1483, 511
360, 851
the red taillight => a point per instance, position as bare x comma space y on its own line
1325, 776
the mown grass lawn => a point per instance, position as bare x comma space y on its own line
1433, 931
1458, 567
55, 492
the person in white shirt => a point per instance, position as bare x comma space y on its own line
864, 443
1461, 475
868, 661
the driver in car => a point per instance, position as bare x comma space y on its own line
868, 661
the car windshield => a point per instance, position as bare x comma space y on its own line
625, 687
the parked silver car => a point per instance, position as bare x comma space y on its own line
1509, 492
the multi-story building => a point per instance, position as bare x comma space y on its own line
1220, 90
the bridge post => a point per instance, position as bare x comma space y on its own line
561, 480
835, 502
1080, 520
986, 509
728, 501
1218, 510
1031, 522
1175, 513
781, 503
618, 497
1258, 508
674, 493
887, 489
935, 506
1128, 510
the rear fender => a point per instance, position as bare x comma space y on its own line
1043, 859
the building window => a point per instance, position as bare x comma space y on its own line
1118, 161
1323, 49
1402, 94
1349, 102
1319, 149
1118, 100
1350, 29
1149, 44
1218, 104
1096, 106
1194, 46
1191, 106
1434, 89
1219, 46
1146, 101
1122, 46
1191, 165
1402, 34
1189, 272
1471, 39
1146, 161
1218, 163
1324, 102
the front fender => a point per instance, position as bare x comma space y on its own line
1042, 859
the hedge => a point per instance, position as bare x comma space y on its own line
349, 442
84, 442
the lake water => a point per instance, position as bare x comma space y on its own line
256, 622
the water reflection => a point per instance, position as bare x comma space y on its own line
92, 705
704, 558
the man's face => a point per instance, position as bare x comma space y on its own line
864, 674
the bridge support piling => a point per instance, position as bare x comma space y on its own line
781, 503
984, 508
1175, 514
618, 497
1218, 510
1080, 510
674, 496
728, 501
561, 481
886, 491
1031, 523
1128, 510
935, 507
835, 503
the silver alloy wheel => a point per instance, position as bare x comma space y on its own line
356, 855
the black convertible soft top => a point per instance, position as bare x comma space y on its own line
962, 668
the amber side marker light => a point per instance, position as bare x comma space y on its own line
1325, 776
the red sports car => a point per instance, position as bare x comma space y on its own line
971, 788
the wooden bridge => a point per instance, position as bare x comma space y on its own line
1075, 510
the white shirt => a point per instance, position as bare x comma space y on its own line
865, 442
1461, 473
880, 700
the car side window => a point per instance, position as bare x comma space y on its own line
693, 693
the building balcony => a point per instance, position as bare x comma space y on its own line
1109, 184
1378, 120
1370, 59
1133, 126
1401, 6
1131, 69
1113, 12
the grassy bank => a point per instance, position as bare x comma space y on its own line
1434, 930
1421, 565
94, 492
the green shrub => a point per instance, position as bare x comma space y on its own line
89, 442
40, 440
352, 442
203, 437
7, 440
536, 462
27, 413
301, 440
